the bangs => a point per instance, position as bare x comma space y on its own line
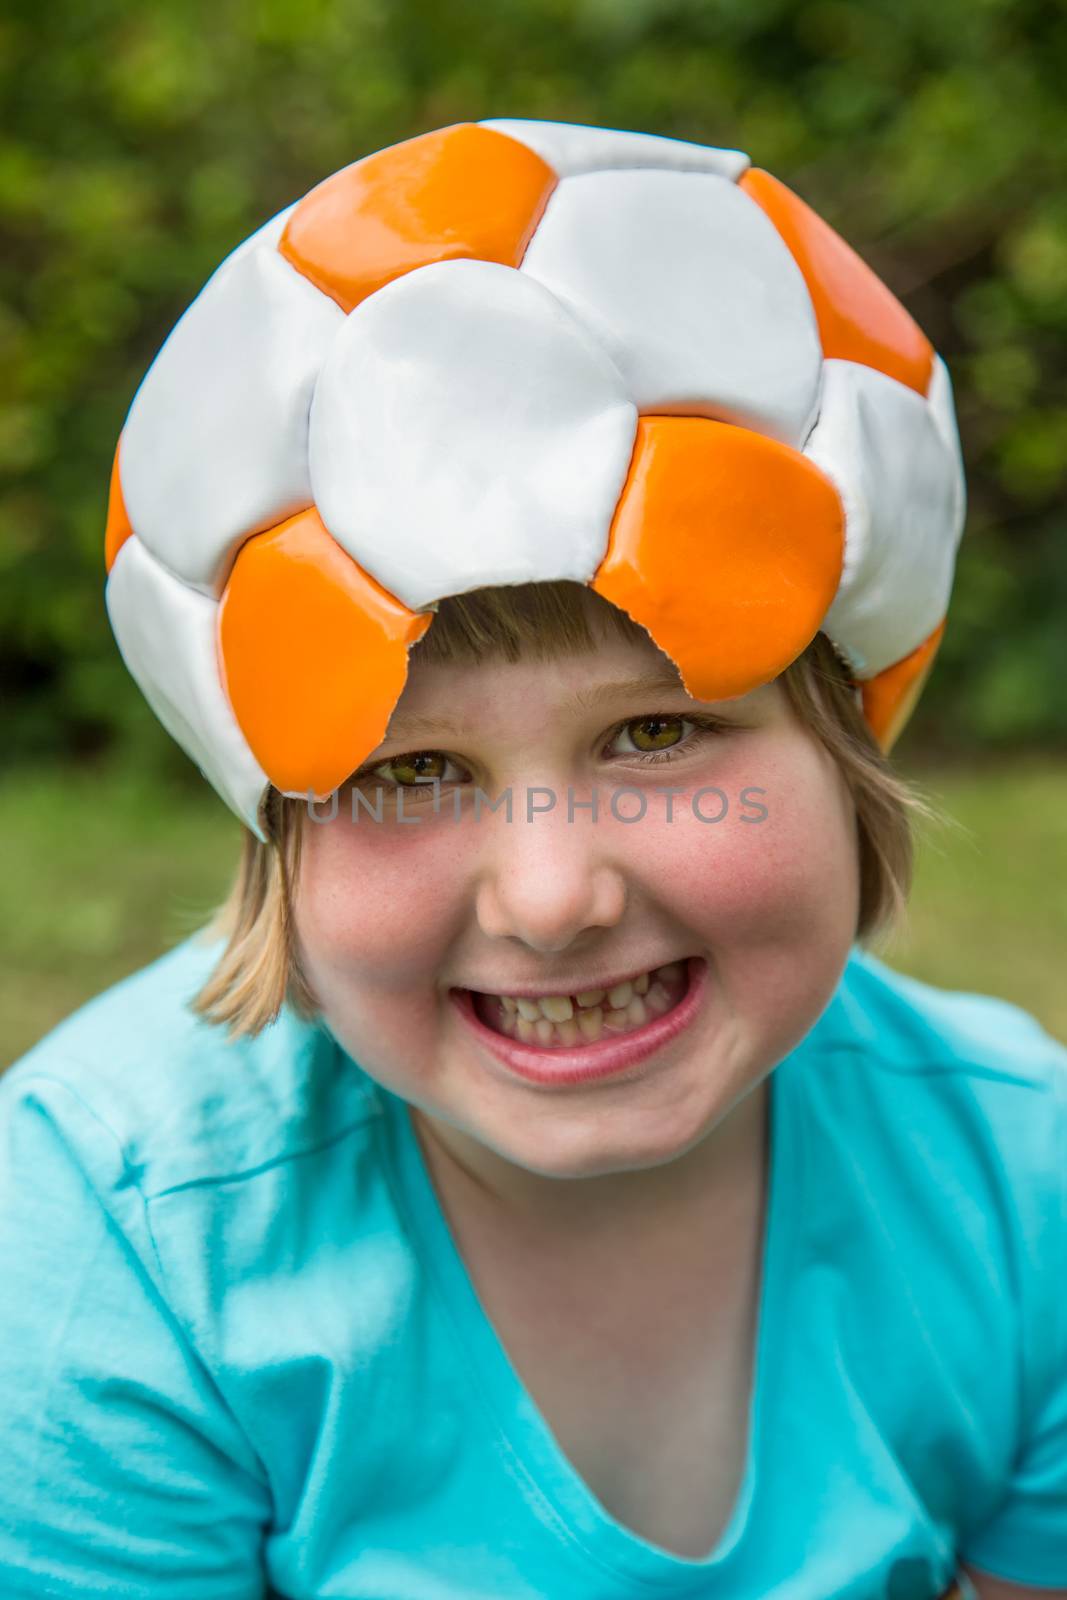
523, 622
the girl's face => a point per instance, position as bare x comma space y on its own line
394, 916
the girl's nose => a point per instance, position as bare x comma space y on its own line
547, 881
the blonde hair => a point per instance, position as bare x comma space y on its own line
259, 970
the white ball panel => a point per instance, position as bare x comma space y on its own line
940, 399
466, 431
569, 148
166, 633
267, 235
215, 444
689, 287
878, 442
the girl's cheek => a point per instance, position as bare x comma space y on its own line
792, 868
377, 900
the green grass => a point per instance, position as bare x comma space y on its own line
105, 871
989, 908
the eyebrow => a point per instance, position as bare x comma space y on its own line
661, 682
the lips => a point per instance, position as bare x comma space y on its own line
560, 1020
615, 1054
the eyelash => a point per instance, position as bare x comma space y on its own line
650, 758
702, 724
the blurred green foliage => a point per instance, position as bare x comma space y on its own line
140, 144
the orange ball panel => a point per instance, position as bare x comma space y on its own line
890, 697
859, 318
313, 654
459, 193
118, 527
727, 547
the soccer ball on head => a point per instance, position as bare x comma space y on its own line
512, 352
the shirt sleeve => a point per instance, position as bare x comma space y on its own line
1026, 1540
123, 1473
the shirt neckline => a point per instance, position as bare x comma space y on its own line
568, 1506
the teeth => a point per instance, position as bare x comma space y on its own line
591, 1022
657, 998
554, 1020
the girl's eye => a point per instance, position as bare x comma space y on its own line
412, 770
659, 738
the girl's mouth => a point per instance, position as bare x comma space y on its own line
559, 1021
562, 1040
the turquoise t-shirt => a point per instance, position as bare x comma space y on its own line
241, 1356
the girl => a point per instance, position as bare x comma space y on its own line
529, 1185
